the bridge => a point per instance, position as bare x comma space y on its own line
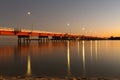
26, 34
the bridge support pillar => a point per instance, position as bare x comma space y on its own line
43, 39
23, 39
56, 38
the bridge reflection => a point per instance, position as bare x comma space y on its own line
10, 51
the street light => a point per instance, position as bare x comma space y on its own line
83, 35
28, 13
83, 28
68, 24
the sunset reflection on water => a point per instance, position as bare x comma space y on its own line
61, 58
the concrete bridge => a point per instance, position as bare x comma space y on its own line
26, 34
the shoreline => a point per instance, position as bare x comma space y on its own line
53, 78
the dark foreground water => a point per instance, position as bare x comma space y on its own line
68, 58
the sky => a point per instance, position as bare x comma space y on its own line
86, 17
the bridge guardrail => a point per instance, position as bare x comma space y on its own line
6, 29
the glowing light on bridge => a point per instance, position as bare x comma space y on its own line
83, 28
68, 24
28, 13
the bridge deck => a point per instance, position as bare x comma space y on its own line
24, 32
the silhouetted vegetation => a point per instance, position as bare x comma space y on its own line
114, 38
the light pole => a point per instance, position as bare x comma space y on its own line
69, 28
83, 29
83, 35
29, 13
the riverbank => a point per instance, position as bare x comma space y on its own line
55, 78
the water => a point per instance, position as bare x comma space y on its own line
66, 58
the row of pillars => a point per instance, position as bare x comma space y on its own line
27, 39
23, 39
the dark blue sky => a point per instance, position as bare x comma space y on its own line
99, 17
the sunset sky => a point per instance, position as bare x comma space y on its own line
89, 17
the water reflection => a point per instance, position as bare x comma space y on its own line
29, 60
68, 59
96, 50
83, 57
91, 51
54, 59
78, 48
29, 67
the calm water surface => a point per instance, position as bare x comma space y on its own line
68, 58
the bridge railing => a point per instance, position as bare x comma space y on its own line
16, 30
25, 30
6, 29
